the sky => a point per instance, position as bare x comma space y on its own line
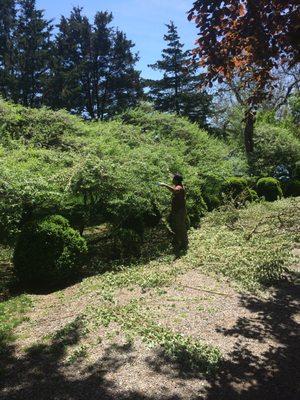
142, 20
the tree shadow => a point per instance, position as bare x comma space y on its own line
40, 374
244, 373
275, 374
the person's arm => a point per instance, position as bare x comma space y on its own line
169, 187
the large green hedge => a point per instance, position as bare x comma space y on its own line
103, 172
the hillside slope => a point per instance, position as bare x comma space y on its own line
165, 329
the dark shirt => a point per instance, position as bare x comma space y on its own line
178, 199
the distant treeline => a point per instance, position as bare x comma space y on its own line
88, 68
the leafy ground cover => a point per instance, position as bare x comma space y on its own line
218, 323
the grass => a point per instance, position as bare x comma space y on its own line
12, 313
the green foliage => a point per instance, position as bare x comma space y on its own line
296, 171
48, 252
292, 188
274, 145
104, 172
269, 188
251, 246
40, 127
236, 189
234, 186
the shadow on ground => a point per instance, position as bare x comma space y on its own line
39, 374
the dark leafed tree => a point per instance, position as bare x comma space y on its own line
32, 52
7, 48
102, 44
93, 69
242, 42
70, 82
123, 81
179, 89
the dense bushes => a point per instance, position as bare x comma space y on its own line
48, 252
237, 190
274, 145
269, 188
103, 172
292, 188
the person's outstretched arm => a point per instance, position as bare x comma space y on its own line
169, 187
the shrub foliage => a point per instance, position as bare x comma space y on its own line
48, 252
269, 188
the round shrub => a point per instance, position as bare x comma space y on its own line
292, 188
269, 188
234, 186
48, 252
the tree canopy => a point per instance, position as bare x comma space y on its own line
246, 40
179, 89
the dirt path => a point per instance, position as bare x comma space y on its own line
59, 355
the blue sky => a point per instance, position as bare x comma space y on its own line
142, 20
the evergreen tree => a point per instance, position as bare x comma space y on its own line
7, 47
123, 83
93, 69
68, 85
178, 91
33, 48
102, 44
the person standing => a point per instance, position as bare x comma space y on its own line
178, 217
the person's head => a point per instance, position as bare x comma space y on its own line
177, 179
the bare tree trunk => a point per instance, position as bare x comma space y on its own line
249, 131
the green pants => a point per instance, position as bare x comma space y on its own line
179, 225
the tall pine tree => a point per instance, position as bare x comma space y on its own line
33, 50
93, 68
123, 83
7, 48
178, 91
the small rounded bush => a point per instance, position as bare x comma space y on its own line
269, 188
292, 188
48, 252
234, 186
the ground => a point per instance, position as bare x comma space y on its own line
257, 337
165, 330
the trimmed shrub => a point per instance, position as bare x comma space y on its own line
269, 188
234, 186
48, 252
292, 188
237, 189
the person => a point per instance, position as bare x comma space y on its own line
178, 217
